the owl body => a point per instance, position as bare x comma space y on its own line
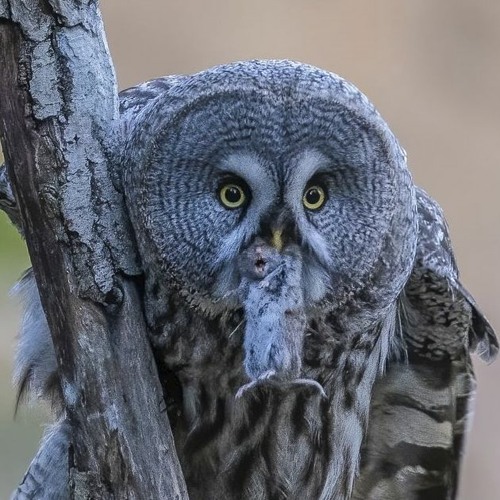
300, 292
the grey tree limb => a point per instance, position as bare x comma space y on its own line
58, 124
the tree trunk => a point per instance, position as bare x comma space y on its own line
59, 128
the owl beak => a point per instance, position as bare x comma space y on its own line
277, 239
278, 229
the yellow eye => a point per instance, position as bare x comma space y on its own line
232, 195
314, 197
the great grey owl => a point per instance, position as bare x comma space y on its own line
301, 294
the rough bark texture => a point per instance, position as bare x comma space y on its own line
58, 111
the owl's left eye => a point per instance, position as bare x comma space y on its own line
233, 195
314, 197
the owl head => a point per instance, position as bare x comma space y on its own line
236, 169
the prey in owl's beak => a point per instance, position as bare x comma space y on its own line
272, 295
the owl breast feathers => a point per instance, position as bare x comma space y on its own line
301, 294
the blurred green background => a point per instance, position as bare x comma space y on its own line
431, 67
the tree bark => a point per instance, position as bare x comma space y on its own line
59, 126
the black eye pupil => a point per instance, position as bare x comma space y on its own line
233, 195
313, 196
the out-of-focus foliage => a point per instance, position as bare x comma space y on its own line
13, 253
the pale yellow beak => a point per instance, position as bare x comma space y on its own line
277, 239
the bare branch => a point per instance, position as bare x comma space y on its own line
58, 117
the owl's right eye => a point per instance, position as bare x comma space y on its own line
233, 195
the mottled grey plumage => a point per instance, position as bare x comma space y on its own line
295, 345
421, 408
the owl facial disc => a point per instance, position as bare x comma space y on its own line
271, 146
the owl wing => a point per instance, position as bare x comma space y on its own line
47, 475
421, 406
